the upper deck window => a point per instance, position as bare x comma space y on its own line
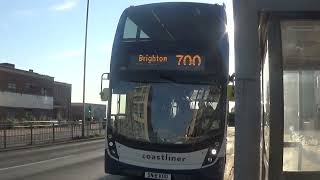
196, 22
131, 31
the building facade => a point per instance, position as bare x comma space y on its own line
62, 101
29, 96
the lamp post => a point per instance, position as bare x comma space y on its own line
84, 72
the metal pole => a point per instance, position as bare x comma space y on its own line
31, 134
4, 138
53, 133
84, 71
300, 157
71, 130
247, 109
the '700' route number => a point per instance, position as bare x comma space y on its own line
189, 60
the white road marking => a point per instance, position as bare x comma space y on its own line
30, 164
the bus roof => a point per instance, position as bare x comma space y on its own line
150, 5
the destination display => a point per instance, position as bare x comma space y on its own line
184, 62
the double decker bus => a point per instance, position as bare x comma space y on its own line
167, 95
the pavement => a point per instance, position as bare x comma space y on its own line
81, 161
230, 155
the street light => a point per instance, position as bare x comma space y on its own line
84, 72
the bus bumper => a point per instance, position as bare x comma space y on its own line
214, 172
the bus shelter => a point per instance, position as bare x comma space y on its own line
277, 50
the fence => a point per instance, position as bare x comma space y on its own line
44, 133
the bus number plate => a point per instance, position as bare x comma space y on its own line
152, 175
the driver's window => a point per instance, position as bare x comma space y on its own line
118, 104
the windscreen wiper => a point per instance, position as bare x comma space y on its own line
169, 79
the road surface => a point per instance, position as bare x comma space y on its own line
78, 161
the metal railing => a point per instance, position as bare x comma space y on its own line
36, 133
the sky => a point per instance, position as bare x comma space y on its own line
48, 37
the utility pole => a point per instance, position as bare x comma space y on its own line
84, 72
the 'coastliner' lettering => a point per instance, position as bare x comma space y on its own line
163, 157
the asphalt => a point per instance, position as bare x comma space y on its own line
78, 161
84, 160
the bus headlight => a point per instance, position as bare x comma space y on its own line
111, 143
212, 154
213, 151
111, 146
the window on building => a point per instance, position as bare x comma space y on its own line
44, 92
28, 86
144, 90
11, 114
138, 90
141, 110
12, 86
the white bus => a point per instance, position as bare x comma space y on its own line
167, 95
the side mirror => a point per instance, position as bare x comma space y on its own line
232, 78
104, 94
230, 93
